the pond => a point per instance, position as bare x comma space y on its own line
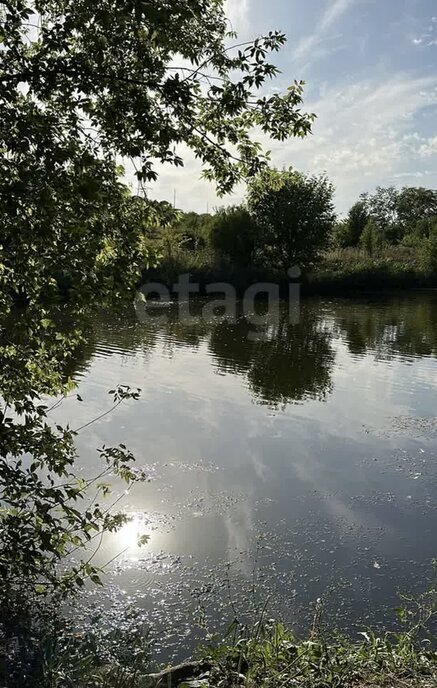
287, 463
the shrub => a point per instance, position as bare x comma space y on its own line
348, 232
428, 253
340, 235
371, 238
195, 230
234, 234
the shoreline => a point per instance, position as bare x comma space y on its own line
317, 283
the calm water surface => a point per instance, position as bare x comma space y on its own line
296, 465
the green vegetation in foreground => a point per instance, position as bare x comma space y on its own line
268, 655
84, 85
271, 658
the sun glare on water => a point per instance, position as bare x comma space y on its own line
132, 537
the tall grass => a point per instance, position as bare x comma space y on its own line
387, 254
271, 658
338, 270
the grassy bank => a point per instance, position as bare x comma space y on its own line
355, 270
264, 654
341, 271
268, 656
271, 658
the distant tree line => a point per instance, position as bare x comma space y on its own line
391, 217
288, 218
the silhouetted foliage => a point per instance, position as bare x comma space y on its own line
235, 234
283, 363
348, 232
295, 213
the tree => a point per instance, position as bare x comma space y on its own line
382, 207
340, 234
401, 214
295, 213
234, 234
84, 85
428, 250
416, 205
356, 221
348, 231
195, 229
371, 238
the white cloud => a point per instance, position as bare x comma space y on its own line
425, 40
427, 37
237, 12
365, 135
428, 148
333, 12
330, 16
414, 175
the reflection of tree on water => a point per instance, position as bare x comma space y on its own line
400, 326
144, 330
43, 350
285, 363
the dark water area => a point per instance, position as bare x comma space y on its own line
288, 462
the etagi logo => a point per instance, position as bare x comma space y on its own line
155, 302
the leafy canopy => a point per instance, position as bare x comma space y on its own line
400, 213
234, 234
85, 86
295, 213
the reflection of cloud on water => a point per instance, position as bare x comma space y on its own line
312, 473
259, 465
228, 468
349, 520
240, 529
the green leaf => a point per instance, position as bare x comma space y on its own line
143, 540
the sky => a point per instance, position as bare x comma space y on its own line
370, 68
